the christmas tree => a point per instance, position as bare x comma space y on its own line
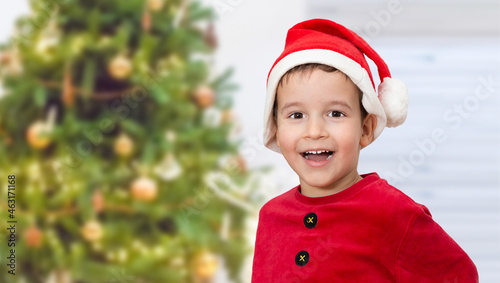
117, 149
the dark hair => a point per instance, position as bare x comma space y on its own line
307, 69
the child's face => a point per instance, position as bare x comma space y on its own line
321, 112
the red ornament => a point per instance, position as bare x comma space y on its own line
98, 201
146, 20
204, 96
33, 237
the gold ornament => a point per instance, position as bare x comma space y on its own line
124, 145
174, 61
144, 189
155, 5
48, 41
159, 251
204, 96
169, 168
177, 262
34, 170
205, 265
170, 136
38, 135
120, 67
33, 237
59, 276
45, 46
121, 255
104, 41
92, 231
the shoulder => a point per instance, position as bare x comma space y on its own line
286, 199
385, 206
384, 196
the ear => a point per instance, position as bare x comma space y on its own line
369, 125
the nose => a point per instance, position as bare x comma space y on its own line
316, 128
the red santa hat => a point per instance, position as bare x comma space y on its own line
326, 42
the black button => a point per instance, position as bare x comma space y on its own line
302, 258
310, 220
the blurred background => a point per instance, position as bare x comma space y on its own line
138, 152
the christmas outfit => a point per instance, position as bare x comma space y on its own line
369, 232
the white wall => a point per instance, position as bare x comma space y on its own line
7, 19
8, 15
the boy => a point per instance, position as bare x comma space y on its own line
337, 226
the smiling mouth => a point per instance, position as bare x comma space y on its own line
320, 155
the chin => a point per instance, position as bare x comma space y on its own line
319, 185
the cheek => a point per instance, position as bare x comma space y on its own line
349, 139
284, 139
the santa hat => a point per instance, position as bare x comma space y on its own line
326, 42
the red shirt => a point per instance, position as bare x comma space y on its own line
369, 232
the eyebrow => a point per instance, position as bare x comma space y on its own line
331, 102
288, 105
339, 102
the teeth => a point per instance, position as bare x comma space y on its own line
306, 154
316, 152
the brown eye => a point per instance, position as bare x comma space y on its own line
336, 114
296, 115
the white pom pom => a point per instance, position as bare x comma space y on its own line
393, 96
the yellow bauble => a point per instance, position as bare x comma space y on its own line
92, 231
156, 5
204, 96
37, 135
144, 189
48, 41
120, 67
205, 265
124, 145
46, 46
59, 276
